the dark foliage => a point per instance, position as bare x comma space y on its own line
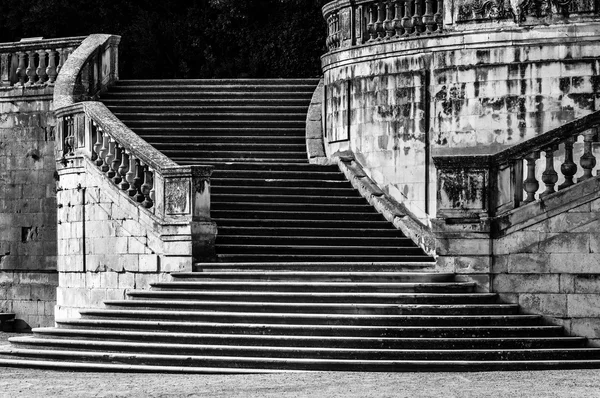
185, 38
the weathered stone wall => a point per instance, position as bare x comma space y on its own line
107, 243
547, 259
396, 104
28, 277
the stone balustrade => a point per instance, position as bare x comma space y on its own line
34, 62
483, 186
128, 215
351, 23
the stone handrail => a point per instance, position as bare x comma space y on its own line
356, 22
483, 186
88, 131
34, 62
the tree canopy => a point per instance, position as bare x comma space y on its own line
185, 38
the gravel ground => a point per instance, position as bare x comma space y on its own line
40, 383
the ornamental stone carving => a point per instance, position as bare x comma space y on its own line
519, 10
177, 196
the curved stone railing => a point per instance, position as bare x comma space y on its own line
34, 62
483, 186
351, 23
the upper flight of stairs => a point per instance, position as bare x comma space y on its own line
268, 202
309, 277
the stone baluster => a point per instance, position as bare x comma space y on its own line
97, 148
428, 19
587, 160
138, 181
61, 59
379, 23
147, 186
336, 31
397, 21
110, 156
30, 71
406, 19
21, 68
329, 31
51, 70
41, 69
568, 168
116, 163
531, 184
130, 176
124, 170
69, 126
417, 19
371, 25
549, 176
103, 153
437, 17
388, 23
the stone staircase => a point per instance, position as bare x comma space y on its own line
309, 276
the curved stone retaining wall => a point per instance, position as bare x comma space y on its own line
395, 104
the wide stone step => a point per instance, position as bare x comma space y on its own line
295, 191
112, 101
314, 330
284, 182
430, 303
294, 215
311, 352
294, 340
302, 167
231, 147
185, 159
186, 301
127, 117
251, 88
293, 249
219, 123
332, 276
263, 257
281, 174
229, 131
206, 94
267, 156
290, 199
314, 319
217, 108
368, 266
195, 138
219, 82
286, 286
225, 238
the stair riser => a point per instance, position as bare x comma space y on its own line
432, 355
317, 299
227, 132
322, 289
351, 310
278, 182
381, 277
383, 332
129, 117
252, 258
420, 322
226, 95
324, 365
386, 235
262, 88
300, 341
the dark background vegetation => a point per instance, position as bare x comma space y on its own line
185, 38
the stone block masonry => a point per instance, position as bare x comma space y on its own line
28, 277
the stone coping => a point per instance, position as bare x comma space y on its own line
396, 213
67, 78
41, 44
